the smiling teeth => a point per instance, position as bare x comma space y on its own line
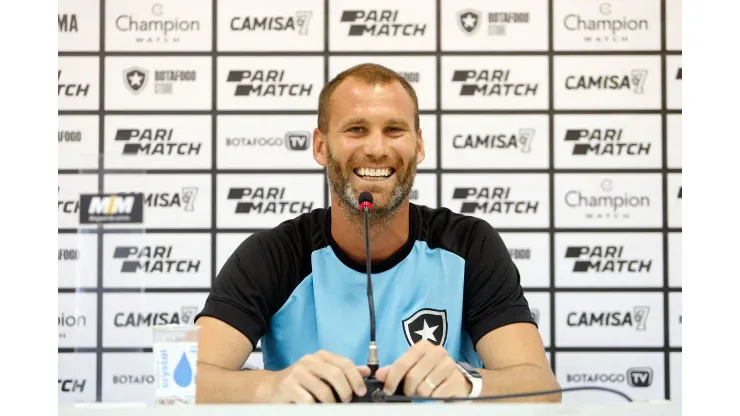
374, 172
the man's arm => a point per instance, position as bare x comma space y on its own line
253, 284
500, 323
241, 301
515, 363
497, 319
222, 351
318, 377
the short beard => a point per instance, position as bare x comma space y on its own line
380, 216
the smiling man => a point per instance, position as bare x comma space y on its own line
451, 318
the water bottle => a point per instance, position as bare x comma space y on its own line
175, 352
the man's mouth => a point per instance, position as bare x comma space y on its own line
374, 174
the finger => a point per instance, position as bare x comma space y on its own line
293, 392
314, 385
351, 375
382, 373
443, 371
450, 388
342, 374
361, 389
417, 380
364, 370
402, 365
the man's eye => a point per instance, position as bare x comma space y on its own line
355, 129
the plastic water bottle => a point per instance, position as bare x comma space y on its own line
175, 351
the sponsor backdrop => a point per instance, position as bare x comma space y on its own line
185, 125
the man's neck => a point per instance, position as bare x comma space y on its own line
385, 239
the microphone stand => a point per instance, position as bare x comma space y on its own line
373, 386
372, 360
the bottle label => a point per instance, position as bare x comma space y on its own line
175, 368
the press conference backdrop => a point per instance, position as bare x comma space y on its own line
558, 121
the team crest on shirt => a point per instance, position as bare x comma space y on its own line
429, 324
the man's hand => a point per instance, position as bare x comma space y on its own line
313, 377
427, 370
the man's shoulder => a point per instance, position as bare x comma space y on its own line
446, 218
443, 223
453, 231
303, 233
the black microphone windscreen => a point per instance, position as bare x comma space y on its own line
366, 196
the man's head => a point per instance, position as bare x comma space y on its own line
368, 138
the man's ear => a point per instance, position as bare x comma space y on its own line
420, 155
319, 147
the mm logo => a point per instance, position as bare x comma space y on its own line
112, 204
127, 208
640, 376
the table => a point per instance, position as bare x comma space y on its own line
658, 408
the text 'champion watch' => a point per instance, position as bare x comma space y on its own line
473, 376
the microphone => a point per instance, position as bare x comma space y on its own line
366, 204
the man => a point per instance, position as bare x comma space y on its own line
445, 288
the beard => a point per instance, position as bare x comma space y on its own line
341, 185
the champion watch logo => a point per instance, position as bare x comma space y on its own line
429, 324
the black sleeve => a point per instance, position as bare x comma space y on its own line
493, 292
253, 284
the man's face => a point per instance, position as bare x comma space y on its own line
370, 145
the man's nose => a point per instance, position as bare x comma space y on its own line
376, 144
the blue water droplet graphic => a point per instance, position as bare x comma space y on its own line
183, 374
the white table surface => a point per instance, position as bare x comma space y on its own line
384, 409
